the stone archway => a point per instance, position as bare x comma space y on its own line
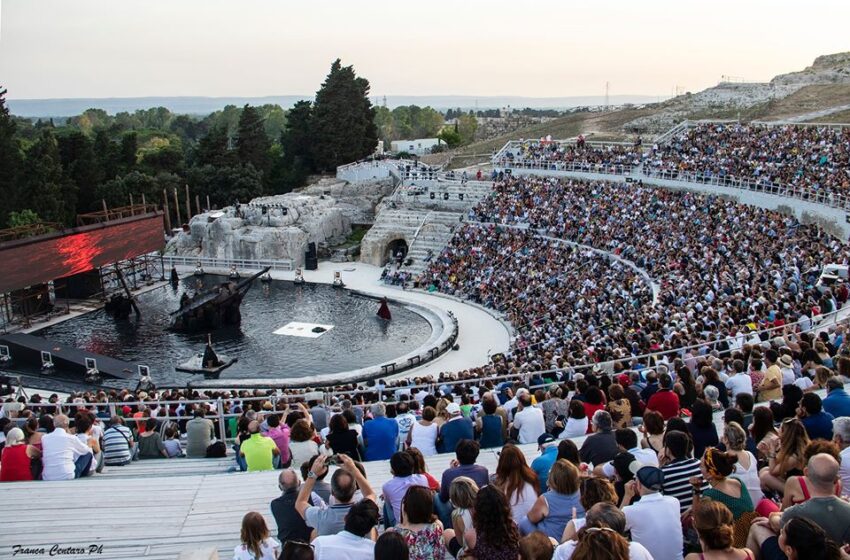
392, 250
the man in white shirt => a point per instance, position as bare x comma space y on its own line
740, 381
655, 520
63, 455
841, 436
405, 420
528, 420
355, 541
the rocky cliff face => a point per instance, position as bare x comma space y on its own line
248, 233
827, 69
321, 213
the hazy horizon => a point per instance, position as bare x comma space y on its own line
56, 49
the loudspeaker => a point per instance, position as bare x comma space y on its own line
445, 196
311, 262
460, 196
434, 195
311, 249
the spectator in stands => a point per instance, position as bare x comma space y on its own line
319, 415
651, 518
302, 445
771, 386
391, 546
405, 420
17, 456
824, 509
517, 481
627, 441
818, 423
714, 524
560, 503
402, 467
259, 451
279, 432
423, 433
664, 400
200, 432
716, 467
746, 467
841, 436
321, 487
548, 446
118, 445
290, 524
420, 527
619, 406
785, 456
577, 421
342, 439
173, 447
679, 467
63, 455
702, 428
528, 422
602, 445
491, 427
745, 402
494, 535
536, 546
653, 431
86, 432
797, 487
466, 453
256, 542
455, 429
740, 382
462, 496
837, 401
592, 491
355, 541
602, 538
763, 433
345, 481
380, 435
422, 468
150, 442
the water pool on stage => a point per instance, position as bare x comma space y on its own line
358, 338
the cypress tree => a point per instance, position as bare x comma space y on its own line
252, 144
11, 161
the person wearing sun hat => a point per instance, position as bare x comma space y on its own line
786, 366
655, 520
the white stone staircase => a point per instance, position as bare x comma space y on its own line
432, 237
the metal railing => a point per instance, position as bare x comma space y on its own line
226, 264
578, 167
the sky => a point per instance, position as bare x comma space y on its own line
535, 48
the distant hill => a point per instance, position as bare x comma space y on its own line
204, 105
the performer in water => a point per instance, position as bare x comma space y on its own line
384, 310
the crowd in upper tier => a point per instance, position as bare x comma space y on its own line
722, 269
809, 161
815, 159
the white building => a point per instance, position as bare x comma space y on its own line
418, 147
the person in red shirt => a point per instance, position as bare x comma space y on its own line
17, 457
664, 401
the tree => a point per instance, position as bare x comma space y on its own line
450, 136
467, 125
117, 191
213, 149
291, 167
11, 161
343, 119
252, 144
47, 192
106, 152
128, 154
226, 185
78, 160
23, 218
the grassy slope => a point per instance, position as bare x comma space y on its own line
609, 126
